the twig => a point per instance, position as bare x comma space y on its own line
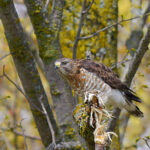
124, 123
49, 123
110, 26
112, 122
86, 11
5, 75
66, 145
118, 64
79, 31
20, 133
4, 56
46, 5
43, 107
146, 11
25, 142
146, 141
7, 143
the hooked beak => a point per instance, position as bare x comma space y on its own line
57, 65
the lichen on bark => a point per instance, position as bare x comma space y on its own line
81, 116
26, 68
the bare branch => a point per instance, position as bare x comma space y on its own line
146, 11
65, 145
20, 133
79, 30
5, 56
118, 64
19, 89
43, 107
99, 147
86, 11
146, 141
49, 122
7, 142
110, 26
112, 122
46, 5
124, 123
25, 141
137, 58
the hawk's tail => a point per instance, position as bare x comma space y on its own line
130, 95
131, 107
134, 110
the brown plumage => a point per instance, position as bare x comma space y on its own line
88, 76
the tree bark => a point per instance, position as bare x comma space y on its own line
110, 45
47, 28
133, 43
133, 66
26, 68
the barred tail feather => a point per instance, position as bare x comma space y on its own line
130, 95
134, 110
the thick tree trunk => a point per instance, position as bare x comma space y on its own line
47, 28
26, 68
109, 15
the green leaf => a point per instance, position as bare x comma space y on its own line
141, 74
138, 139
123, 65
133, 49
4, 98
144, 86
148, 137
148, 64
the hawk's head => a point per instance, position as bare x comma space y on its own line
65, 66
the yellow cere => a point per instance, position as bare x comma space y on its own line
57, 64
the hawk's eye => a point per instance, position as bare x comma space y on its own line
64, 62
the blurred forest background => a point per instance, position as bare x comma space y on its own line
18, 129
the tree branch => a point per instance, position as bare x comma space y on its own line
43, 107
66, 146
19, 89
137, 58
146, 11
118, 64
79, 30
49, 123
113, 121
133, 66
46, 5
4, 56
87, 9
20, 133
146, 141
114, 24
25, 141
136, 35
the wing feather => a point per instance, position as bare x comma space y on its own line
109, 77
